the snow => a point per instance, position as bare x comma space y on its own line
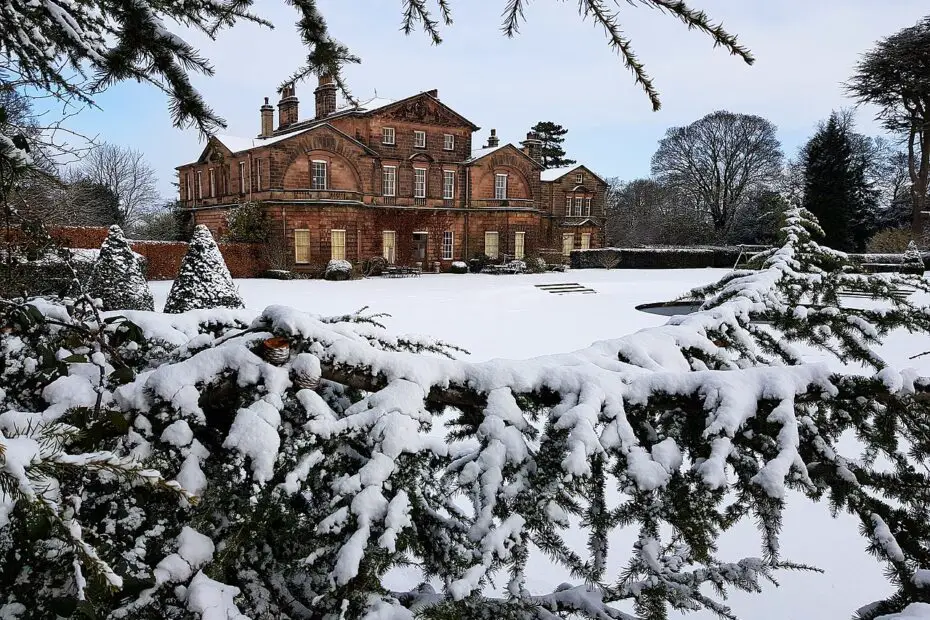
212, 599
914, 611
178, 434
238, 144
554, 174
487, 150
507, 317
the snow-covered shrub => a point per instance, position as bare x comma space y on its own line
912, 253
118, 277
338, 270
458, 267
517, 266
536, 264
203, 280
324, 453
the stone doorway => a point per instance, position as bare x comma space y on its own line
419, 246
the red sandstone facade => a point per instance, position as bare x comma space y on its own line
399, 179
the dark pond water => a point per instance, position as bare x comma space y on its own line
670, 308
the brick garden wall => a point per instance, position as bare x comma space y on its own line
163, 258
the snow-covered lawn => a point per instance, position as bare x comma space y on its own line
507, 316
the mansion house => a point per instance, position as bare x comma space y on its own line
398, 179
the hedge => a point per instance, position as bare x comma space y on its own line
720, 257
661, 258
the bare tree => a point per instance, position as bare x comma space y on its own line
646, 212
125, 173
893, 76
718, 160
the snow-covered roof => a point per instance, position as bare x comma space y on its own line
553, 174
487, 150
237, 144
367, 106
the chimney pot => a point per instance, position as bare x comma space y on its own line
267, 114
532, 146
325, 95
493, 140
287, 106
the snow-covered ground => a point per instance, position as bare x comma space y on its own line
507, 316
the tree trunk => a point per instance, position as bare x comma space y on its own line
920, 175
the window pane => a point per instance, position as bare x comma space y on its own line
518, 248
390, 180
258, 175
490, 244
568, 205
500, 187
578, 205
419, 182
419, 139
568, 243
318, 180
338, 244
388, 242
301, 246
448, 142
587, 206
447, 239
387, 135
241, 177
585, 241
448, 184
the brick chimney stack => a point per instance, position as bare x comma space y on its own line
325, 96
532, 146
287, 107
493, 140
267, 111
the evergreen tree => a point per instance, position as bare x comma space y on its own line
836, 190
203, 280
313, 455
118, 277
552, 136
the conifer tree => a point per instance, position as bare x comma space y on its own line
836, 190
552, 136
323, 452
203, 280
118, 278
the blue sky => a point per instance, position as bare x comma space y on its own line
559, 68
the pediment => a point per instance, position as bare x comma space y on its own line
328, 138
422, 157
214, 151
512, 157
427, 110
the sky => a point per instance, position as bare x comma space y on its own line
559, 68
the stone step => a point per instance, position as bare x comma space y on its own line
562, 288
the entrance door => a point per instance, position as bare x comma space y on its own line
419, 246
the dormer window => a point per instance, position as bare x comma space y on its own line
387, 135
419, 139
579, 178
